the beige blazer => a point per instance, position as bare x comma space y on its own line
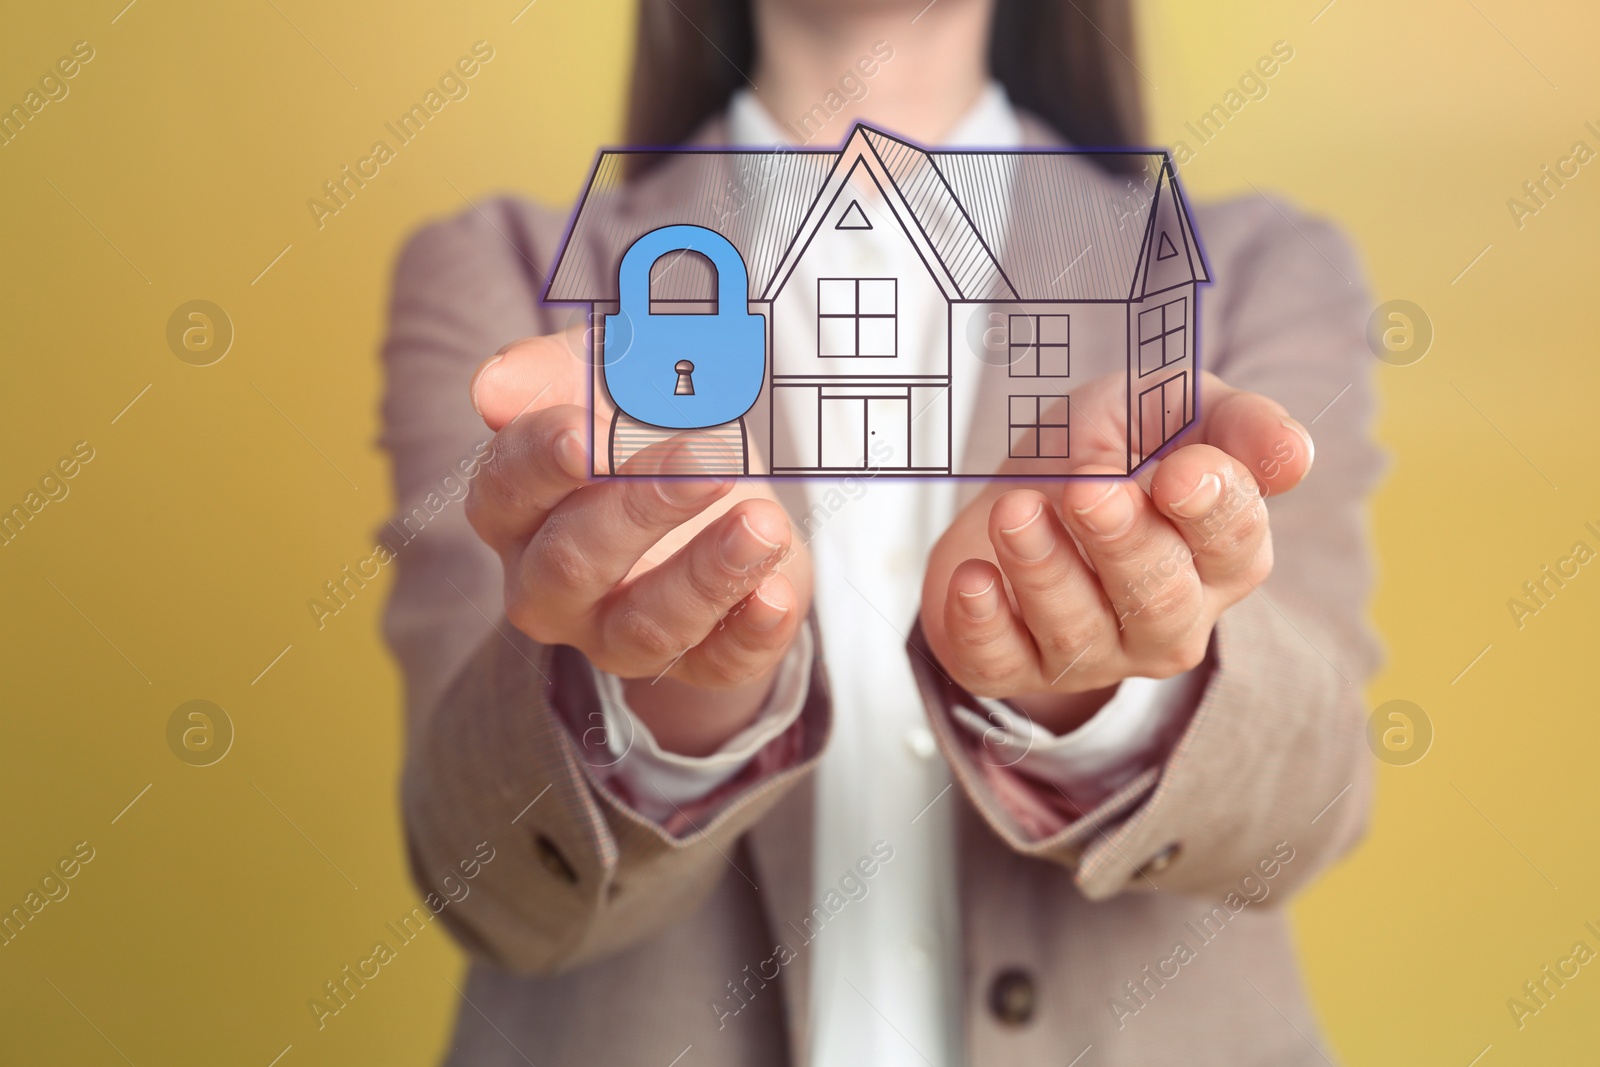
1149, 931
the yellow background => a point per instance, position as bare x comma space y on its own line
220, 502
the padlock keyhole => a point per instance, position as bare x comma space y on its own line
685, 386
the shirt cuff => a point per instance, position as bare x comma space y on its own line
659, 783
1132, 732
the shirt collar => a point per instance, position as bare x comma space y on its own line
991, 122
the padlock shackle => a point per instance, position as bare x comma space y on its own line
733, 282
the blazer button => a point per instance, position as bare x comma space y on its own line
1161, 860
553, 861
1012, 997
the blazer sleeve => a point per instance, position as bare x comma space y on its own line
1275, 752
492, 754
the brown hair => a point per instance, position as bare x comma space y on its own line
1067, 61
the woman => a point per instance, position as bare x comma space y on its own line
1072, 747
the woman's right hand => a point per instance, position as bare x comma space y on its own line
691, 591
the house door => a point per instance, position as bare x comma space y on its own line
1163, 411
842, 432
889, 432
858, 432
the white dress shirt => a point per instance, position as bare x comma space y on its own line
887, 969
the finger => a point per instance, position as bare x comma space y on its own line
748, 641
989, 650
1145, 570
591, 540
1060, 598
527, 375
1218, 508
673, 606
1258, 432
535, 464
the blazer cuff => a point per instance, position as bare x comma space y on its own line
593, 737
1033, 817
581, 874
1132, 732
1276, 736
661, 783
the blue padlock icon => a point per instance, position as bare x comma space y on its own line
684, 372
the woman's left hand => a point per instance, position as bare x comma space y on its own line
1014, 609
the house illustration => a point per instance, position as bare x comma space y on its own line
1051, 293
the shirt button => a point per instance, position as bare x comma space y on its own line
1160, 861
920, 741
1012, 997
917, 954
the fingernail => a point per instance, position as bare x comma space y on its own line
478, 377
685, 493
768, 616
572, 456
1109, 516
1305, 435
742, 548
1031, 541
981, 605
1201, 499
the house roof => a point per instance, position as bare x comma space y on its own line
940, 214
1029, 225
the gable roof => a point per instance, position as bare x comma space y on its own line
1003, 225
918, 200
937, 211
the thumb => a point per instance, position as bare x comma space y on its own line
531, 374
1258, 432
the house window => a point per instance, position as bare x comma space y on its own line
1163, 335
856, 317
1039, 345
1039, 427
